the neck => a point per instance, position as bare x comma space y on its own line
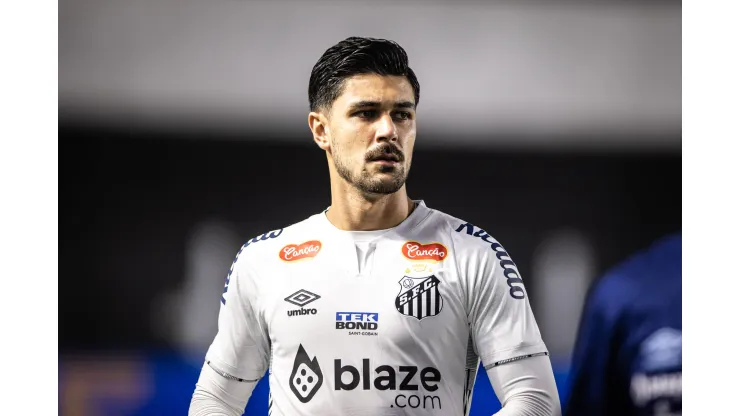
351, 210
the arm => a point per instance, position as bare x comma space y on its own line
217, 394
505, 334
526, 387
240, 353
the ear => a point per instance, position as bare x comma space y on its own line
319, 125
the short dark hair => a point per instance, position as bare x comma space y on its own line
355, 56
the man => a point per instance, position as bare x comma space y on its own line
379, 305
627, 359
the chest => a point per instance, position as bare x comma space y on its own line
377, 298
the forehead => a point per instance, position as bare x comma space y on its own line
374, 87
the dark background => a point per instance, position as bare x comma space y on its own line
555, 125
131, 197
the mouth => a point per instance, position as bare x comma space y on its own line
386, 162
386, 159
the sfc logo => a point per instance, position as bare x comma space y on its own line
419, 297
306, 377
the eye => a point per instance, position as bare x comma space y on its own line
367, 114
403, 115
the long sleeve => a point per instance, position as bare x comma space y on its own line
219, 395
239, 354
526, 387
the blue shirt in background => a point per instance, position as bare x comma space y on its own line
627, 358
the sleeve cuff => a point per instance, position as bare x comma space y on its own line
520, 352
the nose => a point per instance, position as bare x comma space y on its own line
386, 129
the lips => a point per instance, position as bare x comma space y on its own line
386, 159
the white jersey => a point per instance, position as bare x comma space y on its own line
391, 322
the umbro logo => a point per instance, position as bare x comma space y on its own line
302, 298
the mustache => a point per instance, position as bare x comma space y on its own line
384, 151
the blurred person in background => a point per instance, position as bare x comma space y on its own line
379, 304
627, 359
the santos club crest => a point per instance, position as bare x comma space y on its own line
419, 297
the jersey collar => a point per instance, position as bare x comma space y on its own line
417, 216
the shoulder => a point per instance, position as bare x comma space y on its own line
468, 242
480, 256
263, 250
623, 283
465, 236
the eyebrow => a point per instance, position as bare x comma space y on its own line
365, 104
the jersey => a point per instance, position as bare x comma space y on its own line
390, 322
627, 359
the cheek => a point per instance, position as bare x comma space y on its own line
409, 149
349, 149
407, 131
356, 145
410, 141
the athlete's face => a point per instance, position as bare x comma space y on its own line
369, 132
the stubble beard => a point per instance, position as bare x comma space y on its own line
366, 181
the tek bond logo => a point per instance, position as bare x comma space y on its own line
358, 323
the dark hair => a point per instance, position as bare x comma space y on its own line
355, 56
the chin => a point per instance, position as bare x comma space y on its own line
384, 186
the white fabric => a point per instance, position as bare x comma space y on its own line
216, 395
365, 248
436, 294
526, 387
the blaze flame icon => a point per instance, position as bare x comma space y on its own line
306, 377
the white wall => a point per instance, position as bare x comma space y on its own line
537, 70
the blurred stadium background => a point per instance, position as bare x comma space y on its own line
554, 125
